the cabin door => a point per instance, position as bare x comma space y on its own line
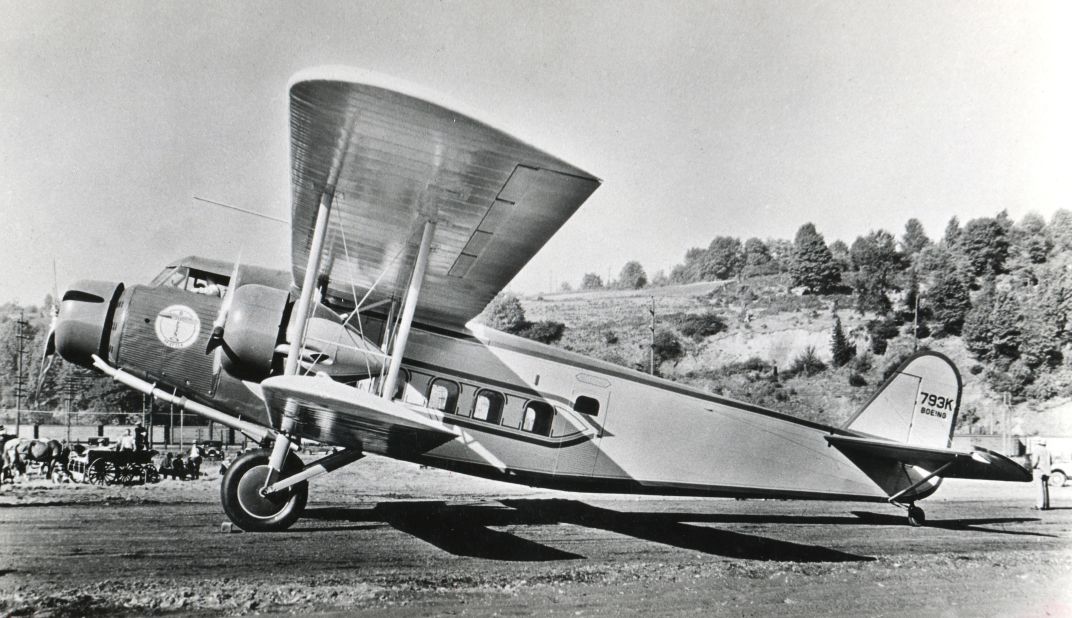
586, 418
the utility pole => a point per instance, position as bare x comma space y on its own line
915, 312
20, 336
652, 350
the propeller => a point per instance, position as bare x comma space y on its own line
49, 353
215, 340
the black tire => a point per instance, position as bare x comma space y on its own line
247, 508
916, 516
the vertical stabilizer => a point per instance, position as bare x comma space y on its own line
918, 405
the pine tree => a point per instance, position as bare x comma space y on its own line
840, 348
812, 265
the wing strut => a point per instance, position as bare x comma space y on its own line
407, 311
312, 269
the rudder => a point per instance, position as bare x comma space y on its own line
917, 405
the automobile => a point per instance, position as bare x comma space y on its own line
1059, 472
211, 449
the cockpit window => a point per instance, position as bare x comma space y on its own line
172, 277
193, 280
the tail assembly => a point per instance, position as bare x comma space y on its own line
901, 437
918, 405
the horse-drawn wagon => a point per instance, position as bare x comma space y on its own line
103, 466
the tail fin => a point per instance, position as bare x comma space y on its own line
918, 405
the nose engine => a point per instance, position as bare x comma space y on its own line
162, 334
84, 326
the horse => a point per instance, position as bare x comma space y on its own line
18, 452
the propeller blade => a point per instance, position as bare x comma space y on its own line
215, 339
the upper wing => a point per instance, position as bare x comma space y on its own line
395, 156
980, 463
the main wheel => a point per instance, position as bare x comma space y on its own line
1058, 478
244, 504
916, 516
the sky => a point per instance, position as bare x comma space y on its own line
701, 118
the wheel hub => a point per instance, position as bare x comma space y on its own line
254, 499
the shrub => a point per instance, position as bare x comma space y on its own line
544, 331
698, 326
856, 379
808, 363
667, 347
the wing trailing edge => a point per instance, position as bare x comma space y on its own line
980, 463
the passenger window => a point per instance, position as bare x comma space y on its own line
586, 405
443, 395
488, 406
538, 417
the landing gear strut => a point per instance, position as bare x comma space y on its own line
254, 510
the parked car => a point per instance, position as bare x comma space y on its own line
1060, 471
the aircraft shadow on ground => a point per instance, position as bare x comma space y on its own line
466, 530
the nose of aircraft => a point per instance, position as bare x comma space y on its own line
85, 320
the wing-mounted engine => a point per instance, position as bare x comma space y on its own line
259, 326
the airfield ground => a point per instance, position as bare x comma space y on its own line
390, 538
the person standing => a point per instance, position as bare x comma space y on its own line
126, 443
140, 441
1044, 464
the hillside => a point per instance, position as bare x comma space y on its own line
766, 326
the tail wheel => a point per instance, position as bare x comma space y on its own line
244, 504
916, 516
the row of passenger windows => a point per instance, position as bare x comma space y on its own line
488, 405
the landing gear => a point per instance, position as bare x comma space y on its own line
916, 516
248, 507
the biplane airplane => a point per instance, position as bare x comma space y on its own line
409, 215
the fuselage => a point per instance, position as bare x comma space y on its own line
523, 412
610, 429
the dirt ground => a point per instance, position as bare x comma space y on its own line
390, 538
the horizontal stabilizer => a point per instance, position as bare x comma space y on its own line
327, 411
980, 463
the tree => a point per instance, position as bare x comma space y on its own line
632, 276
505, 313
757, 259
876, 261
948, 303
840, 348
952, 233
1060, 230
976, 332
842, 257
723, 260
985, 243
689, 272
915, 238
812, 264
591, 281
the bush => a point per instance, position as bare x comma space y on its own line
699, 326
856, 379
544, 331
610, 337
667, 347
808, 363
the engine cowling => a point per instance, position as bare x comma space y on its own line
254, 329
85, 321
